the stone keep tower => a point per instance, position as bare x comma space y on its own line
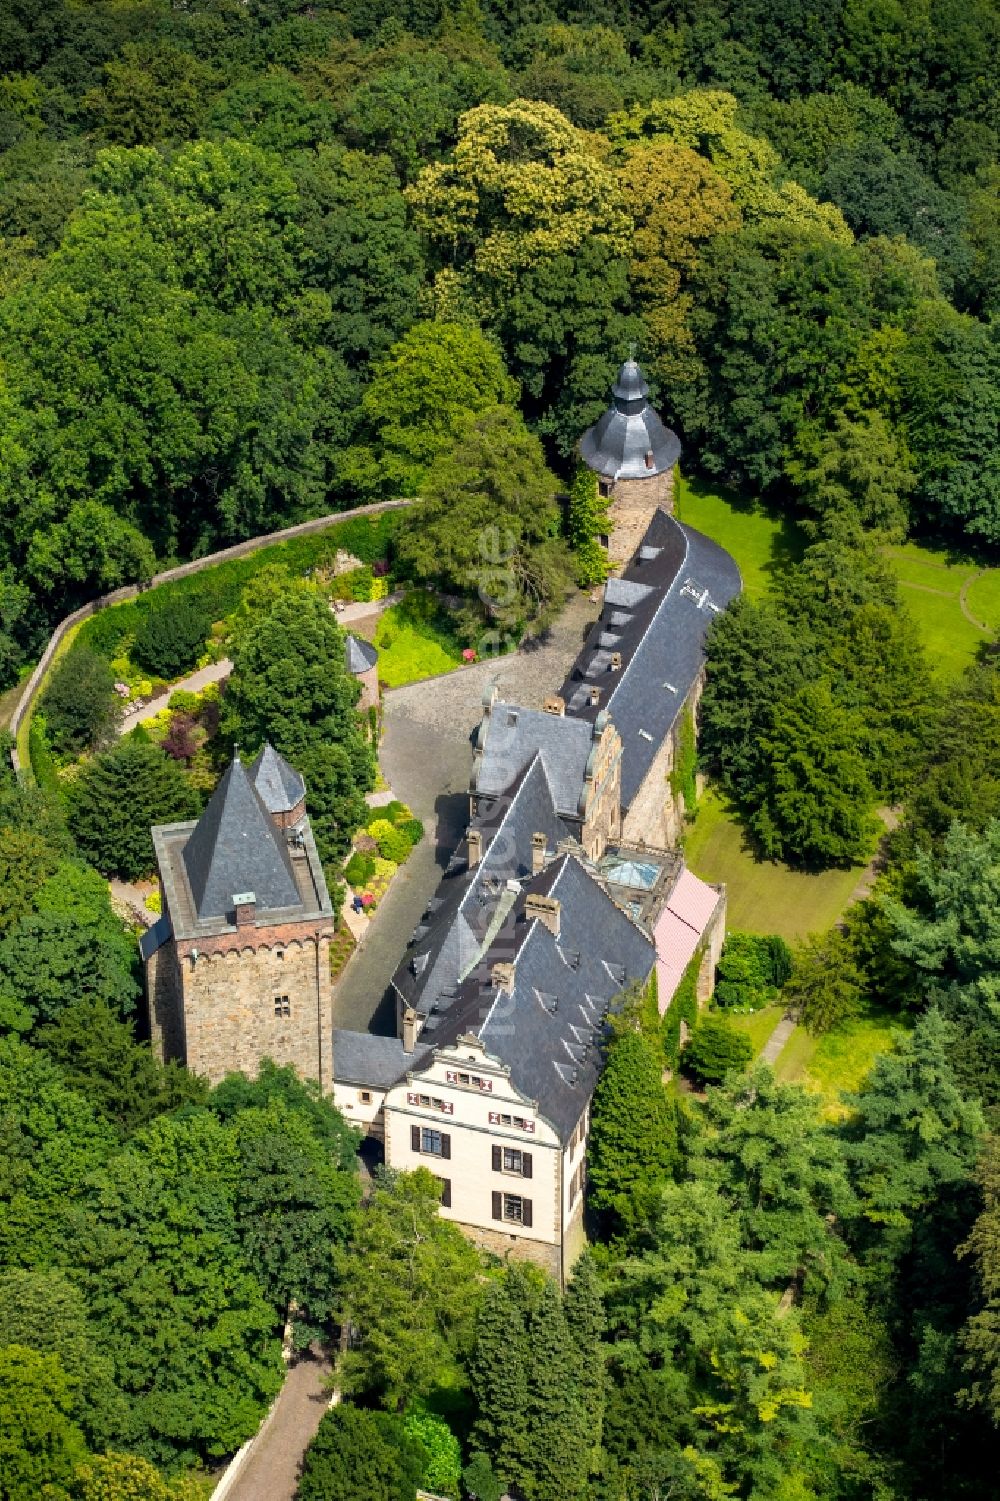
238, 965
633, 455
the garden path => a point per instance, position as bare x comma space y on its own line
193, 683
774, 1044
271, 1473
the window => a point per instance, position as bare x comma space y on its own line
431, 1143
512, 1209
511, 1160
282, 1006
445, 1192
365, 1096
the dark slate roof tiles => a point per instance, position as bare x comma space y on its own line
279, 786
360, 655
235, 848
515, 736
379, 1062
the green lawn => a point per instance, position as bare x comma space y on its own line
414, 641
760, 541
764, 896
931, 585
758, 1025
837, 1062
931, 579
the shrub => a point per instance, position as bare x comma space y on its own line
716, 1049
752, 969
396, 811
359, 1455
172, 635
443, 1469
413, 829
80, 704
359, 869
392, 843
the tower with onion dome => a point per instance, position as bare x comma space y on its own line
633, 454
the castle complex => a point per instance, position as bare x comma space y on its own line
566, 889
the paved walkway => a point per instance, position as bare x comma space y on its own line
426, 756
352, 614
272, 1471
194, 683
774, 1044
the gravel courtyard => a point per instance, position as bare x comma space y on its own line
426, 757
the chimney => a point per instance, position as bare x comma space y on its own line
616, 661
649, 458
538, 846
595, 697
555, 705
409, 1029
245, 903
474, 842
545, 908
502, 975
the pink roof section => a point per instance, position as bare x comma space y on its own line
678, 932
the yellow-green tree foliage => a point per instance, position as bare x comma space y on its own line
522, 184
678, 202
706, 121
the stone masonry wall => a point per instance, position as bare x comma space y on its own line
165, 1003
653, 816
229, 1008
633, 504
369, 689
498, 1243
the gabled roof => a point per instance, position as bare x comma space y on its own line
359, 655
549, 1026
470, 901
669, 594
513, 737
235, 848
279, 786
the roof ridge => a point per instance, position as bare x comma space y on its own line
234, 843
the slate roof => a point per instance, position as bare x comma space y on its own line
630, 441
236, 848
470, 901
549, 1026
511, 737
670, 594
279, 786
155, 937
363, 1058
360, 655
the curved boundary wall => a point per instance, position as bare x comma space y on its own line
184, 570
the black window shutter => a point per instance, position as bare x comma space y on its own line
498, 1206
525, 1164
415, 1138
526, 1213
497, 1160
445, 1144
445, 1193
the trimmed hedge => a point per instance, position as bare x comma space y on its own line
217, 592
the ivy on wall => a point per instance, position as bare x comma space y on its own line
683, 778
